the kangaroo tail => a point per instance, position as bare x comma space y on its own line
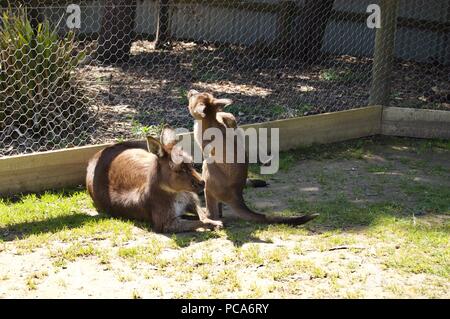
297, 220
241, 209
246, 213
255, 183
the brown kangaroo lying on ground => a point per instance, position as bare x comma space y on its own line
225, 182
138, 181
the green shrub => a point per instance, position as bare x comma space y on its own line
40, 98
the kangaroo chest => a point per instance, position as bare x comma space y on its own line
180, 203
198, 134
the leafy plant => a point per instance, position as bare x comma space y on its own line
37, 81
141, 131
303, 109
182, 96
343, 76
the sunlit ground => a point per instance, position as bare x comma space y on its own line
383, 232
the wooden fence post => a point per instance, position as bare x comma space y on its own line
162, 38
384, 54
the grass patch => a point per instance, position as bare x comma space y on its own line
74, 251
147, 253
422, 248
34, 279
352, 149
379, 168
343, 75
227, 279
141, 131
340, 213
423, 240
252, 254
303, 109
288, 270
182, 96
38, 219
431, 199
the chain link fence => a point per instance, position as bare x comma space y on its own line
76, 73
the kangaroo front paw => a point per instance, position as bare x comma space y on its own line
214, 224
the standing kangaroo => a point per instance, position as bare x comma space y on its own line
225, 182
142, 182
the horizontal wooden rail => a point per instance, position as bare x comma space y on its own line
326, 128
399, 121
46, 170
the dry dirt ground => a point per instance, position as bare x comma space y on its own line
383, 232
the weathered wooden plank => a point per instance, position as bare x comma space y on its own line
46, 170
66, 168
419, 123
326, 128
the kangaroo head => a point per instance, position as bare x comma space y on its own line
205, 104
177, 173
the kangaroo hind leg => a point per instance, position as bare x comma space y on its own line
178, 225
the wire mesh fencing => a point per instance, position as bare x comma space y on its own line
85, 72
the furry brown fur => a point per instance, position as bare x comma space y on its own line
142, 182
225, 182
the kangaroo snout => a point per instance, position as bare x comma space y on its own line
199, 186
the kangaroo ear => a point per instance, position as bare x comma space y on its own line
168, 137
191, 93
221, 103
200, 109
155, 147
227, 119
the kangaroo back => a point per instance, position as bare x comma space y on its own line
118, 178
